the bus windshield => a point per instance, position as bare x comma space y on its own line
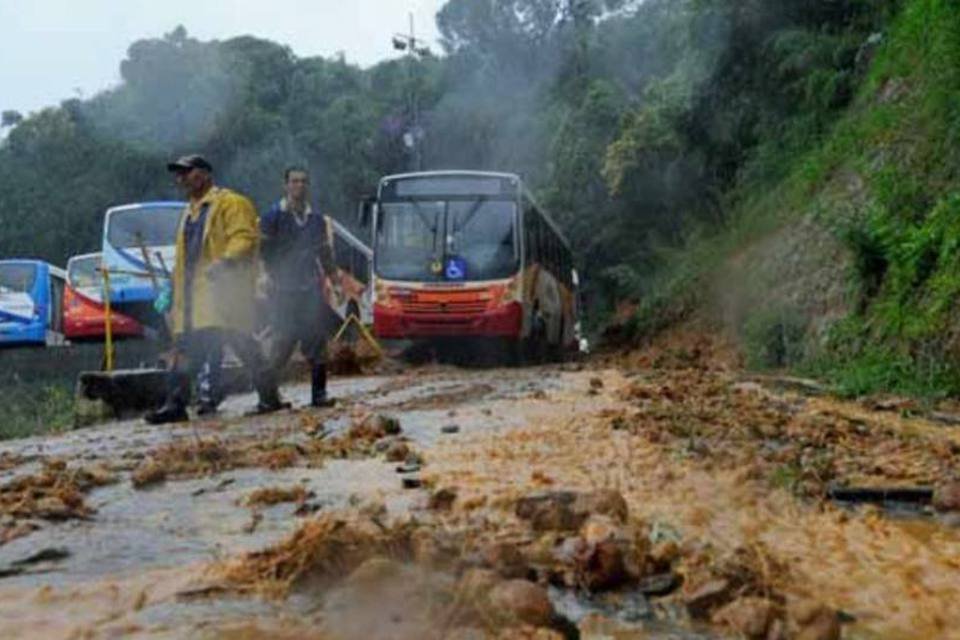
17, 278
148, 227
84, 273
416, 238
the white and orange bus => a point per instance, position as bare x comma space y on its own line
462, 254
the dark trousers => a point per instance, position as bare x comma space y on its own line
299, 318
200, 357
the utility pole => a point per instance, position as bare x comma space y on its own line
416, 49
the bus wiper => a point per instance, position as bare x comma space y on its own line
472, 212
426, 222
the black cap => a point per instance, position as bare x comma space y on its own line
192, 161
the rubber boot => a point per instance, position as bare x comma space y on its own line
174, 408
268, 393
318, 387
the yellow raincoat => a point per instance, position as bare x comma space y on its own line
231, 232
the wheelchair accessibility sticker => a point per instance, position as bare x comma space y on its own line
455, 269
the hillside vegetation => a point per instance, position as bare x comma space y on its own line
848, 266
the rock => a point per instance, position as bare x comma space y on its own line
397, 452
660, 584
550, 511
476, 583
703, 596
567, 510
747, 617
518, 602
412, 482
373, 571
946, 497
600, 528
450, 428
605, 502
374, 427
814, 621
506, 559
596, 383
600, 566
442, 500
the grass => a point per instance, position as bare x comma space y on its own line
36, 408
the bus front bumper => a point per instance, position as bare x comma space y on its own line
503, 322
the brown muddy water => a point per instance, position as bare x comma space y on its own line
299, 525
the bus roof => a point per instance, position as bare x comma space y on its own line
54, 269
84, 256
147, 205
451, 172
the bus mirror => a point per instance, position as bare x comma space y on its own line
365, 212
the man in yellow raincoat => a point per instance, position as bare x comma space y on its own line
213, 293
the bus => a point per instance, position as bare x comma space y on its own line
84, 314
139, 247
350, 292
31, 303
470, 254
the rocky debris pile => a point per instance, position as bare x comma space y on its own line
794, 443
367, 436
55, 493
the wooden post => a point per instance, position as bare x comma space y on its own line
108, 341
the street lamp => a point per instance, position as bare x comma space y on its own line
415, 49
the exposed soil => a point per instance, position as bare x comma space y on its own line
657, 494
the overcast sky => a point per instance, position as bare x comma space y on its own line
51, 50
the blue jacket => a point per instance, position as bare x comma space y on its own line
296, 251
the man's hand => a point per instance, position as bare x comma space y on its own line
217, 269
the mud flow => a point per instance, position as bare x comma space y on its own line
662, 494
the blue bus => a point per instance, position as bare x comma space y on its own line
31, 303
138, 252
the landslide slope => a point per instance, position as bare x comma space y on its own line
850, 267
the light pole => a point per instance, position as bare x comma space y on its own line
416, 49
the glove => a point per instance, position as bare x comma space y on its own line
164, 300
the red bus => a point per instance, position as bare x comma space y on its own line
470, 254
84, 316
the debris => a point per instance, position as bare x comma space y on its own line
703, 596
148, 473
506, 560
408, 468
880, 495
946, 497
518, 602
596, 383
442, 500
48, 554
397, 452
660, 584
748, 617
450, 428
814, 621
270, 496
412, 483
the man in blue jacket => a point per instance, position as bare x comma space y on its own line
297, 257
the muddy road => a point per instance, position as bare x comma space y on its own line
663, 494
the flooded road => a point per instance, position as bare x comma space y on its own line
657, 495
